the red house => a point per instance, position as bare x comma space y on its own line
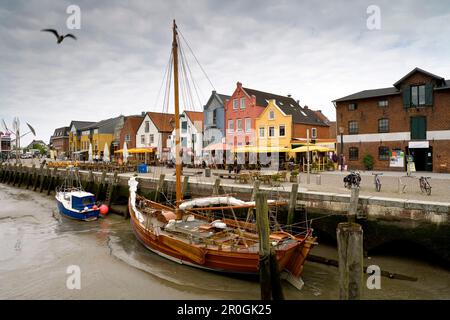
241, 111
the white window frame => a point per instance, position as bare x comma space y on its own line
314, 133
242, 103
271, 115
235, 104
152, 138
248, 124
279, 130
263, 132
147, 127
238, 121
143, 139
230, 126
268, 132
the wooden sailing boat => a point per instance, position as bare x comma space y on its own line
188, 235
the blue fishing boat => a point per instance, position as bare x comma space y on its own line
74, 202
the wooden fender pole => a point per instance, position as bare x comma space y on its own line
350, 252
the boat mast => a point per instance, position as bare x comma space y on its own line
177, 117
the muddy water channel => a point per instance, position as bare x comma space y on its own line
37, 246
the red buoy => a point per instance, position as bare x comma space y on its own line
94, 207
104, 209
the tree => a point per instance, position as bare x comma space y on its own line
368, 161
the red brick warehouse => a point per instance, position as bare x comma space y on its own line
410, 118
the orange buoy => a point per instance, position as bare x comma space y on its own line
104, 209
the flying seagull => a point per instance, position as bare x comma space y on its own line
59, 37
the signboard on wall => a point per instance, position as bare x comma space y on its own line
418, 144
397, 158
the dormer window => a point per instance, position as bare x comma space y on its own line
271, 115
352, 106
418, 95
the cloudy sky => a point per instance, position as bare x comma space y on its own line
315, 50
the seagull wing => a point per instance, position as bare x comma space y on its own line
52, 31
69, 35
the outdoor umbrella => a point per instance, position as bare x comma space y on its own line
90, 153
125, 153
106, 153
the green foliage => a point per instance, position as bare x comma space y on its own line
294, 173
368, 161
39, 147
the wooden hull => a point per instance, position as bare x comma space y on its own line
290, 258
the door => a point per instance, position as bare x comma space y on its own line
418, 128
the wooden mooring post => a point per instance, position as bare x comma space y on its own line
160, 186
350, 252
268, 267
353, 209
292, 204
185, 186
216, 187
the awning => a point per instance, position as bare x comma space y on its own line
137, 150
312, 148
261, 149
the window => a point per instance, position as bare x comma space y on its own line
248, 124
147, 126
230, 126
261, 132
239, 125
383, 103
235, 104
152, 138
314, 133
127, 138
214, 116
183, 126
143, 139
353, 153
282, 130
353, 127
383, 153
183, 142
383, 125
242, 103
418, 95
352, 106
271, 131
271, 115
194, 138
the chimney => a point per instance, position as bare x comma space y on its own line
143, 113
239, 84
289, 95
306, 107
298, 102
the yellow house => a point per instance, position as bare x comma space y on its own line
273, 127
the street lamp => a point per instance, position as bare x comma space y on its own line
341, 131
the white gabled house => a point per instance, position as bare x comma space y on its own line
191, 134
154, 131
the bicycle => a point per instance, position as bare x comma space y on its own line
425, 185
377, 181
353, 179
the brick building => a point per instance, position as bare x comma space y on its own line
129, 130
59, 141
409, 119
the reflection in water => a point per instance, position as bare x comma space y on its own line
37, 245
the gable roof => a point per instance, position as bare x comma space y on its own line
100, 123
370, 94
416, 69
321, 116
223, 97
80, 124
61, 132
262, 97
196, 119
288, 105
134, 122
373, 93
162, 121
